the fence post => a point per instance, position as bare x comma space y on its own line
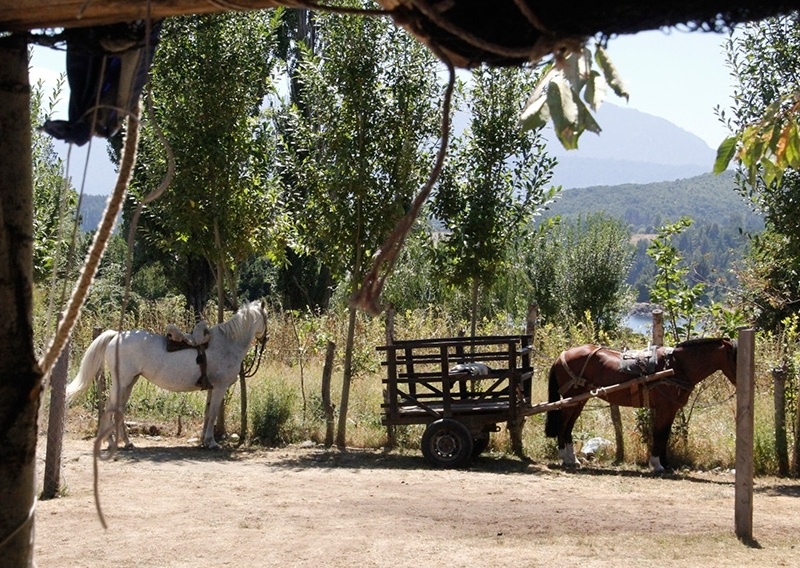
55, 426
100, 381
779, 401
745, 371
328, 406
391, 429
658, 328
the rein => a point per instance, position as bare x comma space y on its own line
260, 347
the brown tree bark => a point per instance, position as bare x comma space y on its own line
20, 377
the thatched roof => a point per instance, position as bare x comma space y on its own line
511, 32
467, 32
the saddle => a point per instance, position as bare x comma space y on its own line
198, 339
641, 361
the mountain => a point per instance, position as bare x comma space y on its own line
633, 147
706, 198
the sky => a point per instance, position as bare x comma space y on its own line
679, 76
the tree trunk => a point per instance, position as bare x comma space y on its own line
198, 284
327, 405
474, 307
341, 432
20, 376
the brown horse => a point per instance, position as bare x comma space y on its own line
588, 367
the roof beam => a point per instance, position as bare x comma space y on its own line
22, 15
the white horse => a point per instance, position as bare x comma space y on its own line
131, 354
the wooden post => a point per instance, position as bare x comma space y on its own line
243, 406
745, 371
779, 401
391, 429
516, 425
55, 425
658, 327
100, 381
796, 453
328, 406
20, 376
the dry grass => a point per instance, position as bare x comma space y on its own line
290, 377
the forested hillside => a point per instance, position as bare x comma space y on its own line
92, 208
705, 198
711, 246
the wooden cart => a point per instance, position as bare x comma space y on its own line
462, 388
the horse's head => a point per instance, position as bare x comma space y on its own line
262, 309
696, 359
730, 350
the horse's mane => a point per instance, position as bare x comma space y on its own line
699, 341
241, 323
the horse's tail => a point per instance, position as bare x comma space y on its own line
92, 362
552, 424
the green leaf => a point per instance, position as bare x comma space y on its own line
596, 89
564, 112
725, 153
610, 73
536, 114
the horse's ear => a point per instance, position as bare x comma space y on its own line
263, 304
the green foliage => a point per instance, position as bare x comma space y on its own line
670, 289
763, 56
54, 200
567, 86
271, 410
353, 145
208, 80
494, 182
577, 270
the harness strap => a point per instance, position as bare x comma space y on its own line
575, 380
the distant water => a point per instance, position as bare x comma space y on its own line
639, 323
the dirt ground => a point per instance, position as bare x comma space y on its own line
171, 504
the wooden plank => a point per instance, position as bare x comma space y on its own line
21, 15
743, 492
454, 341
597, 393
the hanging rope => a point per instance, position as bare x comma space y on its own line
97, 249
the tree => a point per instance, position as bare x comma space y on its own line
54, 200
578, 267
353, 147
764, 58
209, 79
670, 288
20, 375
494, 182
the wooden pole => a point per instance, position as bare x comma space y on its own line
20, 376
327, 371
658, 327
599, 392
779, 402
745, 371
391, 429
55, 425
100, 381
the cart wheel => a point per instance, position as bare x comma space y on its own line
479, 444
447, 443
